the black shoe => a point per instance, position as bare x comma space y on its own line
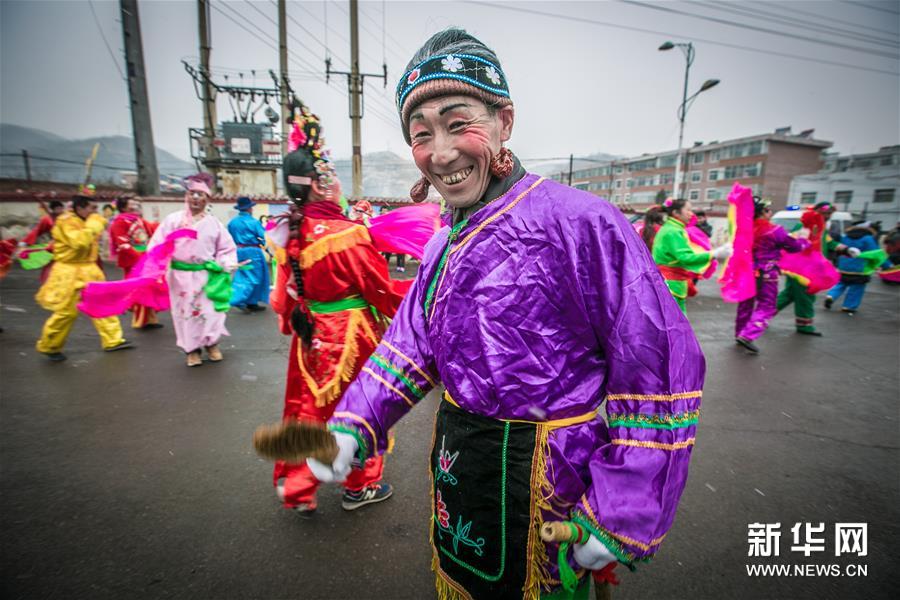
378, 492
828, 302
244, 309
812, 332
848, 311
255, 308
152, 326
750, 346
123, 345
55, 356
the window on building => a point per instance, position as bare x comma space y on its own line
666, 178
887, 161
714, 156
751, 170
618, 184
617, 198
619, 170
713, 194
629, 183
754, 148
842, 165
843, 197
667, 161
713, 174
862, 163
697, 158
884, 195
642, 165
694, 195
696, 176
808, 197
627, 198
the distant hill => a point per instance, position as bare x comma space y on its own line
116, 154
384, 174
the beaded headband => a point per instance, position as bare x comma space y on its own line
474, 70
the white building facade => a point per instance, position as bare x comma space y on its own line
866, 185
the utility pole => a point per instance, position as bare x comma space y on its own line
144, 150
208, 95
355, 89
355, 81
27, 162
571, 160
283, 66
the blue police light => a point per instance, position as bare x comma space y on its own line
792, 207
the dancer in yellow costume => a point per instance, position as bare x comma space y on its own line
76, 236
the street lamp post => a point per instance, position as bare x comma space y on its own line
688, 50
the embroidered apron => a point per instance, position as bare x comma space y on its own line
482, 510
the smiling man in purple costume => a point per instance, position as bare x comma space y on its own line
539, 302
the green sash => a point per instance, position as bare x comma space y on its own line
336, 306
218, 286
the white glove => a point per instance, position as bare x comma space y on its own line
340, 468
853, 252
592, 554
722, 252
803, 232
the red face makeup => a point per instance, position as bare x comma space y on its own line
453, 141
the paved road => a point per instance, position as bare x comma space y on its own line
127, 475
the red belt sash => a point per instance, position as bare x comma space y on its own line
676, 273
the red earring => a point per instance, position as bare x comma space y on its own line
502, 163
419, 192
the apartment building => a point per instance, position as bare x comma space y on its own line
767, 163
866, 185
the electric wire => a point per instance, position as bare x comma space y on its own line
586, 21
869, 6
806, 13
105, 42
712, 19
758, 14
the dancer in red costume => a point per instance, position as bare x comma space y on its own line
128, 237
336, 316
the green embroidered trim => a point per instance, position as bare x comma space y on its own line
432, 287
614, 546
396, 372
641, 421
478, 572
362, 452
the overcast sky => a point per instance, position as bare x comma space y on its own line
592, 81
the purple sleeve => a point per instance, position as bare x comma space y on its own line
397, 375
654, 377
787, 242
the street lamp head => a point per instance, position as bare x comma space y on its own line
667, 46
709, 83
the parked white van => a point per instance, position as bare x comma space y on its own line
789, 218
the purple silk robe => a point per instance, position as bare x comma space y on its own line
549, 304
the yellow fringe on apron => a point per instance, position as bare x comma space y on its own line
538, 580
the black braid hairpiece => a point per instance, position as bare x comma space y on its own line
301, 319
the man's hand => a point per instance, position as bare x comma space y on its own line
592, 554
722, 252
340, 468
853, 252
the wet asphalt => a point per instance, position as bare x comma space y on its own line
128, 475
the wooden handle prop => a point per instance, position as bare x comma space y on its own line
294, 441
558, 531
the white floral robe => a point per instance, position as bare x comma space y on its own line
197, 323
